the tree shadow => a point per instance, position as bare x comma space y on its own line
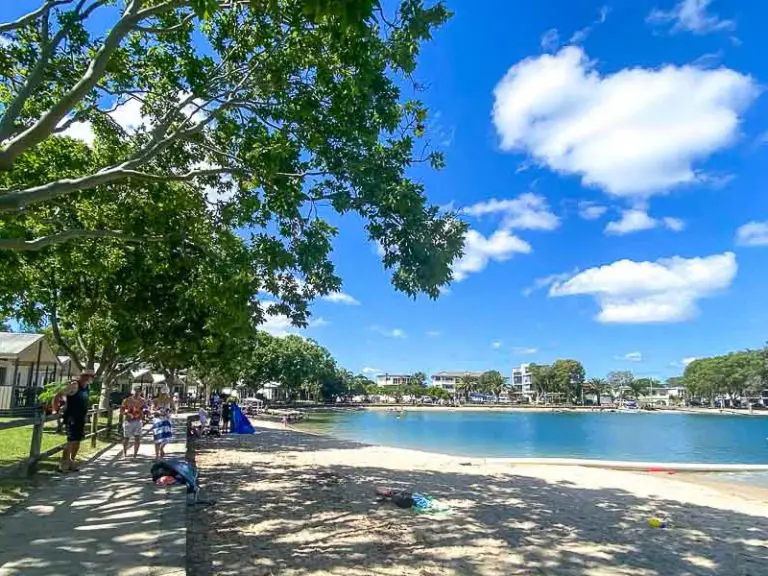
288, 515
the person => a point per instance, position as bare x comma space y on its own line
162, 429
163, 401
226, 416
75, 413
132, 410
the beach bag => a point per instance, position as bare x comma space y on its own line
402, 499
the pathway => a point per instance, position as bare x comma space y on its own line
107, 519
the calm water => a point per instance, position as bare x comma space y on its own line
653, 437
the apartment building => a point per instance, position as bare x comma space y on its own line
522, 384
392, 380
448, 380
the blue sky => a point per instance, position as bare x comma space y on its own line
650, 108
608, 160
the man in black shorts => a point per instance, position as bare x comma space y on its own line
75, 415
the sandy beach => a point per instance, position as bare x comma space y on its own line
299, 504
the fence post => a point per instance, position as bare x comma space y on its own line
94, 426
110, 413
37, 440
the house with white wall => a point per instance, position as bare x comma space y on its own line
27, 363
448, 381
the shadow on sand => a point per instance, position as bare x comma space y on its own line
278, 513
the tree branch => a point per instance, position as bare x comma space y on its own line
57, 332
32, 16
18, 199
62, 237
161, 30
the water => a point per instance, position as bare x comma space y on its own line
651, 437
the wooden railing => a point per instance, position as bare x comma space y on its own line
38, 426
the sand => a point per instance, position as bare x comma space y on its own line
292, 503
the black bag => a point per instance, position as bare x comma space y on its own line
402, 499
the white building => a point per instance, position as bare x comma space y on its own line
522, 383
27, 362
449, 380
392, 380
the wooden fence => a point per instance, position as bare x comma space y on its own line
38, 425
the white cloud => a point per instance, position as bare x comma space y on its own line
433, 333
545, 281
82, 131
635, 220
526, 212
480, 250
550, 40
689, 359
496, 345
753, 234
281, 326
523, 350
591, 211
636, 132
691, 16
581, 35
369, 370
341, 298
667, 290
393, 333
633, 356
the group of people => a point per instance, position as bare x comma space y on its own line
220, 418
132, 409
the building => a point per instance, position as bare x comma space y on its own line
392, 380
522, 384
27, 363
449, 380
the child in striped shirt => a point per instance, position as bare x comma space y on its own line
162, 429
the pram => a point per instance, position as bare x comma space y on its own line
182, 472
214, 426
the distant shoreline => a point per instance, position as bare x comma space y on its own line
557, 409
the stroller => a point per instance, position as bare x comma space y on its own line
168, 472
214, 426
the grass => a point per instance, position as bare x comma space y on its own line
14, 447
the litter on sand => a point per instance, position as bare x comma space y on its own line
413, 500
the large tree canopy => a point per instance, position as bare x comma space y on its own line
278, 110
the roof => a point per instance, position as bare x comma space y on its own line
23, 347
394, 375
14, 343
457, 374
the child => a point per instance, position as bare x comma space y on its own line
162, 430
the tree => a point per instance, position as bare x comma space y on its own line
416, 386
620, 381
569, 378
306, 110
543, 381
465, 386
599, 387
493, 382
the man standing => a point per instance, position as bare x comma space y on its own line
132, 410
75, 413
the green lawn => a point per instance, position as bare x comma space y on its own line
14, 447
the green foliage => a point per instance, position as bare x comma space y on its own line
492, 382
599, 387
738, 374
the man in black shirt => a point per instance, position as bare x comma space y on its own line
75, 415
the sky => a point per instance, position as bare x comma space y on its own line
607, 157
610, 160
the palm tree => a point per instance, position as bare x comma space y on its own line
599, 387
637, 388
465, 386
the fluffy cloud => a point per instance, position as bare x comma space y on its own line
691, 16
545, 281
635, 220
526, 212
636, 132
591, 211
281, 326
667, 290
689, 359
393, 333
633, 356
370, 371
550, 40
479, 250
341, 298
753, 234
524, 350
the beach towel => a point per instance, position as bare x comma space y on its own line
162, 430
184, 473
240, 422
